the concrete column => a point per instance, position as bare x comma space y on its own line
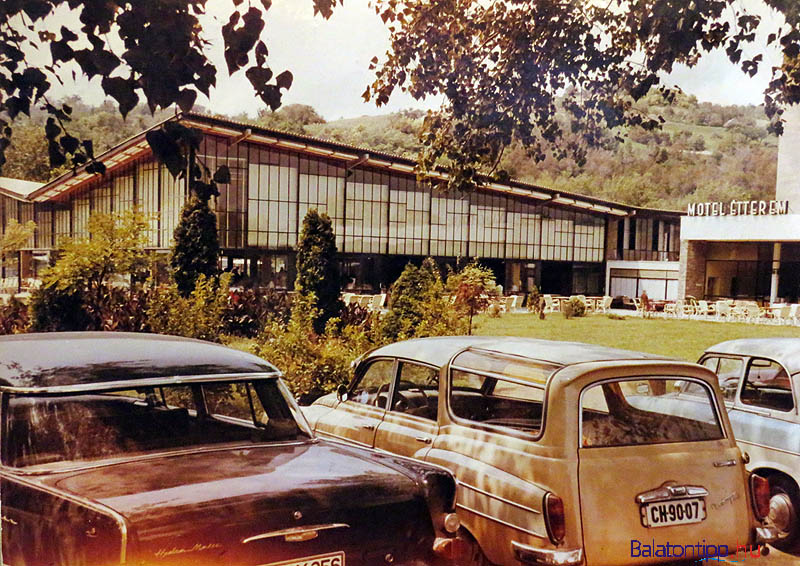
776, 265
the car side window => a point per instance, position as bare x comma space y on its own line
767, 385
729, 373
417, 391
373, 387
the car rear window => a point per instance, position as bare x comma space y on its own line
648, 410
83, 427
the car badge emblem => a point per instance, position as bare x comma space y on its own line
297, 515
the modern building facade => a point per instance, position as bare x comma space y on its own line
382, 216
748, 249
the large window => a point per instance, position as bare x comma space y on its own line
449, 225
272, 198
409, 217
523, 230
487, 234
322, 188
148, 198
367, 208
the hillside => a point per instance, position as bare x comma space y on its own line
703, 151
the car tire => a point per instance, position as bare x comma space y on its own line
476, 556
784, 510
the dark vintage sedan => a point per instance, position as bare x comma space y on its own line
153, 450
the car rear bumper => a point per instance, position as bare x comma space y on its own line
765, 534
547, 557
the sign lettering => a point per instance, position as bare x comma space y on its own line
739, 208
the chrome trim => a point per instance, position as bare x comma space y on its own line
547, 557
738, 440
669, 491
155, 456
766, 534
501, 522
502, 499
511, 379
725, 463
136, 383
296, 531
93, 505
343, 439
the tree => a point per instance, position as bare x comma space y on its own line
414, 289
318, 268
114, 247
503, 66
75, 289
15, 236
155, 50
291, 118
474, 288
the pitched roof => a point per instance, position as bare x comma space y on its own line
18, 188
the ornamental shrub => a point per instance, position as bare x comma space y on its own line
318, 278
196, 248
574, 307
200, 315
13, 317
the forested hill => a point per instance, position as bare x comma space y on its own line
703, 152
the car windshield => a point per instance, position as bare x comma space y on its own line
629, 412
57, 429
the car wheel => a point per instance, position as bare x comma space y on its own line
476, 556
784, 506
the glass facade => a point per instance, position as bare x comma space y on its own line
376, 213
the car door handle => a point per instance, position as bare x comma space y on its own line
725, 463
423, 439
368, 427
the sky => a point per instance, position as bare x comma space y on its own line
330, 63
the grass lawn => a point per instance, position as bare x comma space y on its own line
685, 339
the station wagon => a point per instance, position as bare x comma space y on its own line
558, 458
152, 450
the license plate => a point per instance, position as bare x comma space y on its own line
331, 559
673, 512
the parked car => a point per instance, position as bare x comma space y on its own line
151, 450
556, 461
760, 380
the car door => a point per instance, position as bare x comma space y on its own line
764, 410
683, 478
357, 417
410, 425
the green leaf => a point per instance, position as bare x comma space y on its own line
284, 80
123, 91
186, 99
222, 175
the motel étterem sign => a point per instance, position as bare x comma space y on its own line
739, 208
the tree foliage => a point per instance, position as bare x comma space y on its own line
156, 51
318, 268
290, 118
15, 236
502, 66
474, 288
201, 314
114, 247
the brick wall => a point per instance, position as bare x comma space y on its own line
692, 273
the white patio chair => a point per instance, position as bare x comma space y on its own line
549, 304
782, 314
605, 304
794, 312
724, 309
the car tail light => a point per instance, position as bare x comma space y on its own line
759, 491
554, 517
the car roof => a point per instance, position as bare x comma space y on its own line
59, 360
438, 351
785, 351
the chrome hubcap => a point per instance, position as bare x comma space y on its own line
781, 512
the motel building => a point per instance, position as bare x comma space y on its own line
748, 249
565, 244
